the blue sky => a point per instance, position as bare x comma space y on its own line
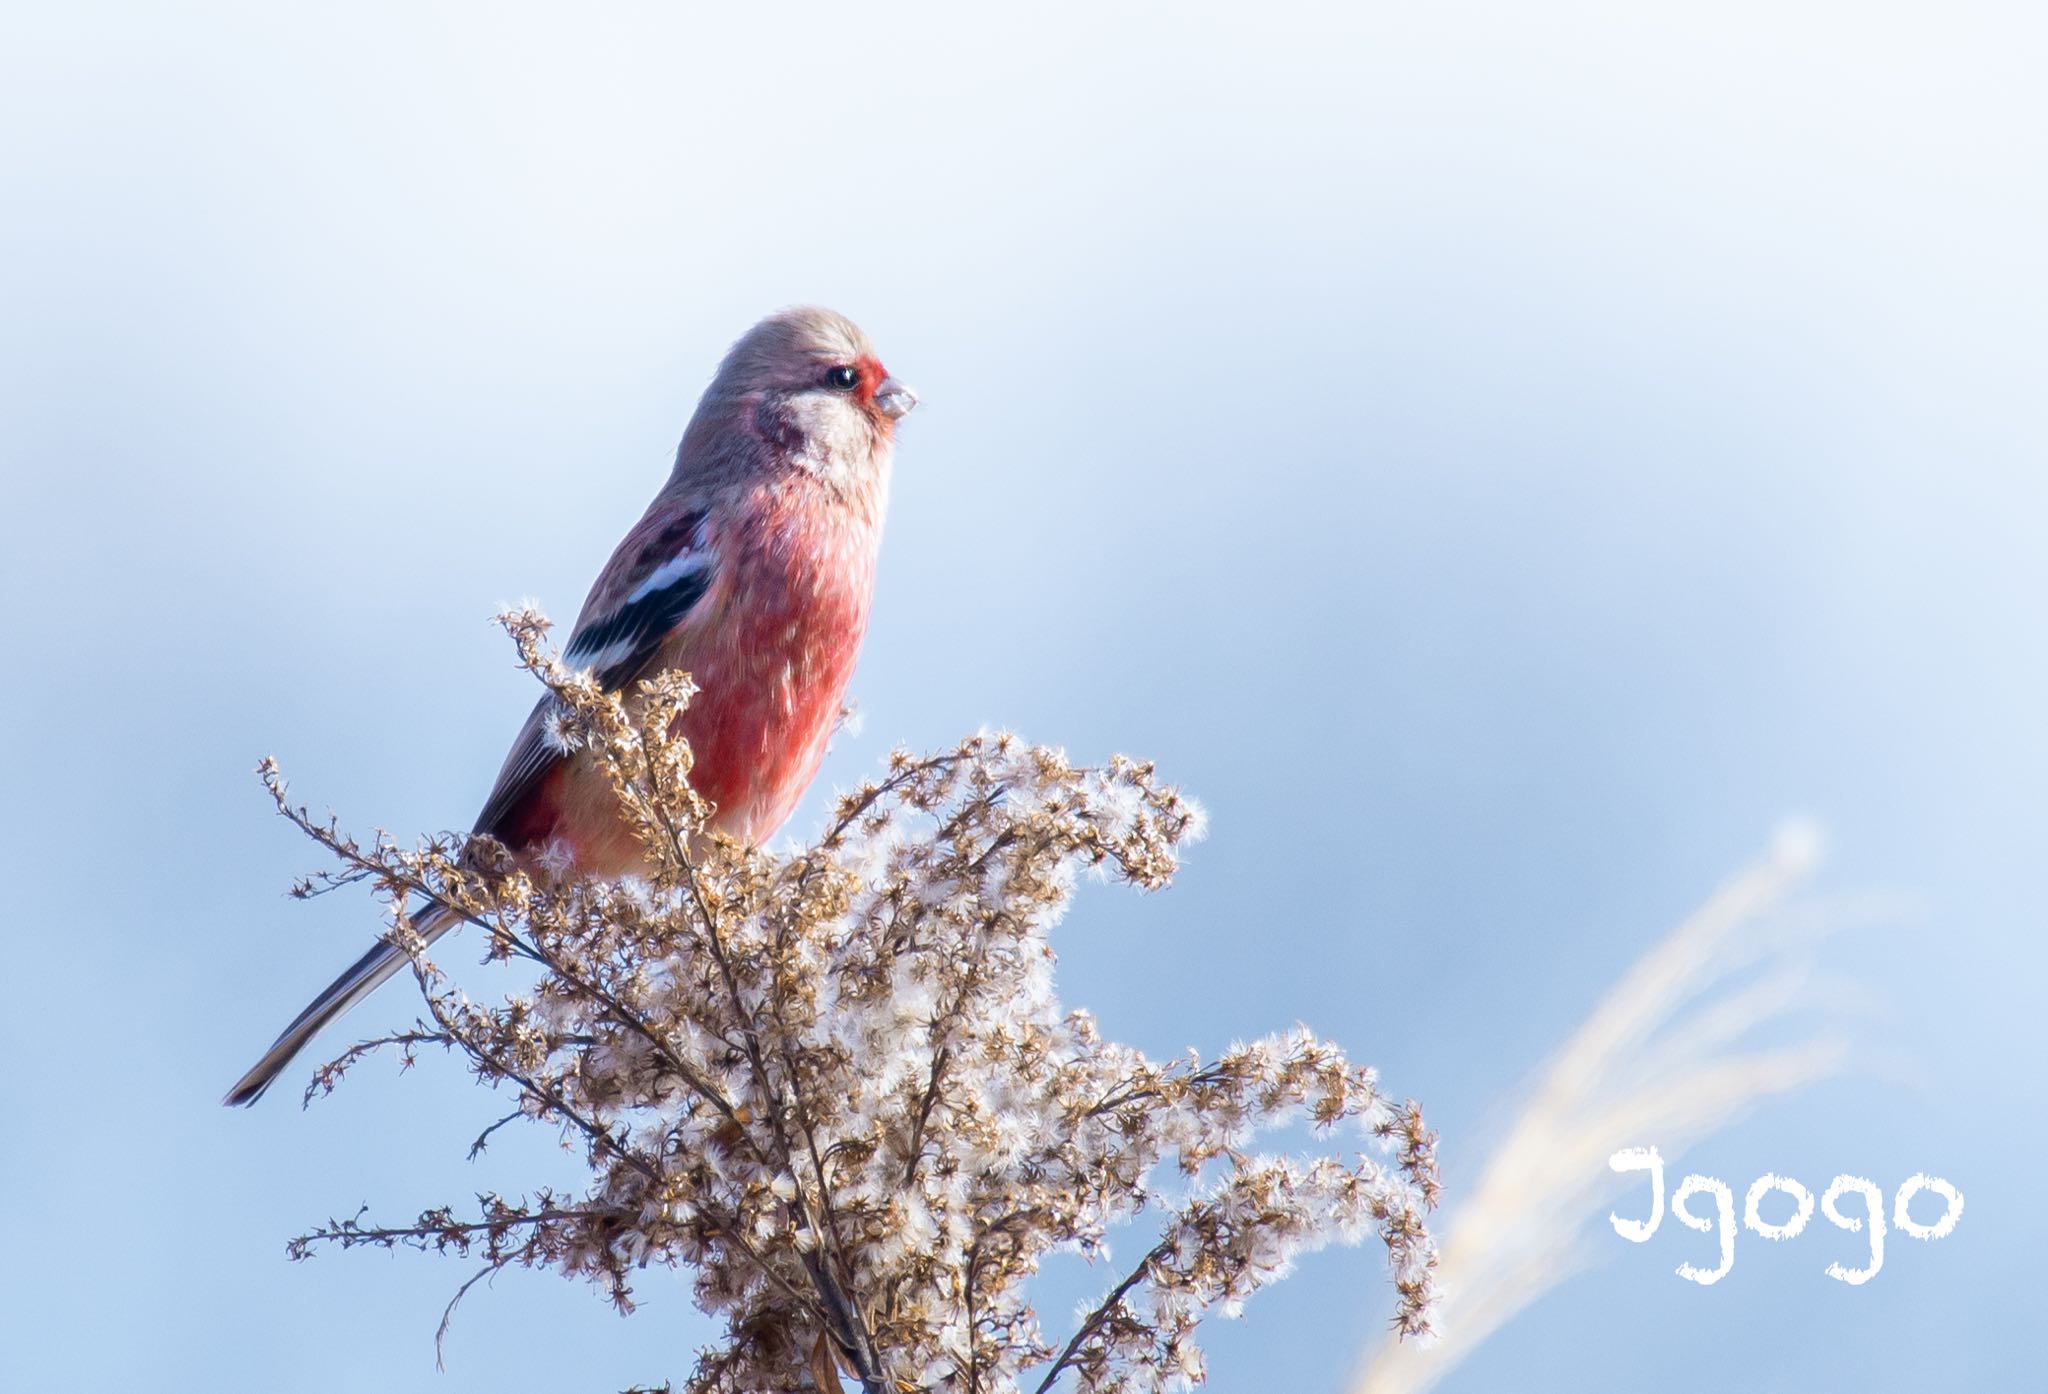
1502, 458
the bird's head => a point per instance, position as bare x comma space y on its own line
808, 383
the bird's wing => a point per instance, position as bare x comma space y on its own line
654, 580
651, 584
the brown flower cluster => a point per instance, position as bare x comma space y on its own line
836, 1085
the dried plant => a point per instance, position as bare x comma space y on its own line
837, 1087
1663, 1060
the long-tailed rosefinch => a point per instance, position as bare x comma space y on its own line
752, 569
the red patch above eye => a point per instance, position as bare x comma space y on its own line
871, 374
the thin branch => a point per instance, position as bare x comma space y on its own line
1102, 1313
476, 1148
448, 1314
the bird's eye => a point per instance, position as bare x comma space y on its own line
844, 379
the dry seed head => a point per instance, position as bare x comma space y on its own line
837, 1087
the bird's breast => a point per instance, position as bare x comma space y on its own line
772, 660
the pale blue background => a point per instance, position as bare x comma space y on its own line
1501, 456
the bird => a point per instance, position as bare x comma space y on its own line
753, 569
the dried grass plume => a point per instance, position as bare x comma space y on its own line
1663, 1059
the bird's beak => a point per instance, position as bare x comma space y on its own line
894, 399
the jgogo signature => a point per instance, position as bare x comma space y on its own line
1638, 1231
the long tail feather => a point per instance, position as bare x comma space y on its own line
356, 982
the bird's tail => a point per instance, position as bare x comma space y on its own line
358, 981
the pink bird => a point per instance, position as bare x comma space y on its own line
752, 569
